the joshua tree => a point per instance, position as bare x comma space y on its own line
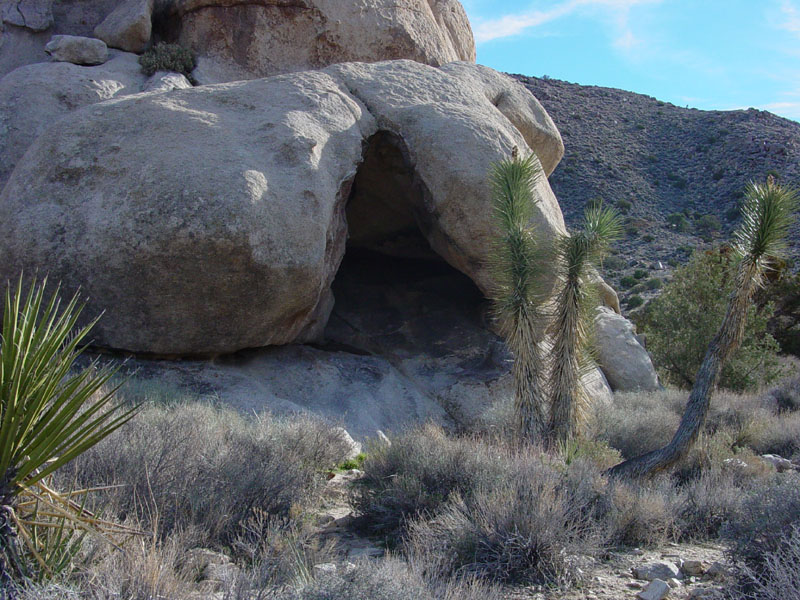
766, 216
575, 306
518, 296
48, 416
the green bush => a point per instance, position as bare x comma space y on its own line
640, 274
634, 301
614, 263
679, 222
627, 282
624, 206
653, 283
708, 224
681, 322
168, 57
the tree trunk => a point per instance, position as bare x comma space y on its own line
722, 346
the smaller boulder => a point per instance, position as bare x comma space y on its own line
128, 27
354, 448
781, 464
166, 81
624, 361
77, 50
657, 570
695, 567
656, 590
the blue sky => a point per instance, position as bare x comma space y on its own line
710, 54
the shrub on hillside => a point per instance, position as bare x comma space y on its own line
168, 57
682, 321
532, 527
768, 513
388, 579
779, 575
418, 473
195, 465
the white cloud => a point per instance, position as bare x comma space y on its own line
790, 110
790, 20
614, 12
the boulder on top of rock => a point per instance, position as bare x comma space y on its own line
626, 364
77, 50
34, 97
261, 38
198, 248
128, 27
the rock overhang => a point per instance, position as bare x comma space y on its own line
209, 220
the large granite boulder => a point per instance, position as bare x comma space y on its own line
129, 26
34, 97
624, 361
248, 39
212, 219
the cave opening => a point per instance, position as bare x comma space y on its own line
394, 296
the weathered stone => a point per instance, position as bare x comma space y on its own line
656, 590
34, 97
657, 570
197, 248
695, 567
781, 464
20, 47
165, 81
258, 39
354, 448
624, 361
77, 50
128, 27
36, 15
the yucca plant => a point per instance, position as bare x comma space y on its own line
518, 296
572, 328
49, 414
767, 213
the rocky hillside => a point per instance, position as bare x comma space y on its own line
676, 173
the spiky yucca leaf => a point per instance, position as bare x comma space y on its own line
572, 328
767, 214
48, 414
517, 265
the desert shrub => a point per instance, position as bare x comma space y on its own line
614, 263
627, 282
624, 206
640, 274
708, 223
168, 57
532, 527
639, 514
778, 435
634, 301
786, 394
778, 577
653, 283
418, 473
208, 467
388, 579
678, 221
709, 501
682, 321
769, 512
277, 551
638, 422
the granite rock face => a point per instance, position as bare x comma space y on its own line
245, 39
198, 248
